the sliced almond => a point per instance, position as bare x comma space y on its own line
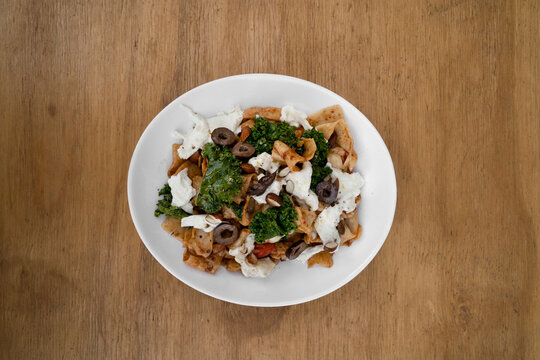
289, 187
274, 200
331, 246
284, 172
250, 206
246, 131
248, 168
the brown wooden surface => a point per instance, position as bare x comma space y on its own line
452, 86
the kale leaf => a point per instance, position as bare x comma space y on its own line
275, 221
164, 206
264, 133
222, 180
320, 171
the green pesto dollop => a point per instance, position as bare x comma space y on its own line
319, 160
222, 180
164, 206
275, 221
264, 133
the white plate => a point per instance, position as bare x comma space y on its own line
290, 282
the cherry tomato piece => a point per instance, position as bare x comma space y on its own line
262, 250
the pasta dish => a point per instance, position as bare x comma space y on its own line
249, 188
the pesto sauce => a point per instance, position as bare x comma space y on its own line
164, 206
275, 221
319, 160
264, 133
222, 180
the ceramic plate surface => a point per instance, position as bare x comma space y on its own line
290, 282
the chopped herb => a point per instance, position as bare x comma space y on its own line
275, 221
264, 133
164, 206
237, 209
222, 180
320, 171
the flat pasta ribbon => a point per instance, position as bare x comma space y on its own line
176, 161
173, 226
199, 242
210, 264
305, 219
193, 170
342, 155
283, 154
326, 115
270, 113
323, 258
352, 228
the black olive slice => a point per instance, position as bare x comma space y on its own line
296, 249
243, 150
225, 233
326, 191
250, 206
260, 187
331, 247
223, 136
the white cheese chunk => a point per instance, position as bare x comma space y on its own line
308, 253
264, 161
349, 187
312, 200
302, 182
206, 223
198, 136
182, 191
230, 120
326, 224
294, 117
261, 269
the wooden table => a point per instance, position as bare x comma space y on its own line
452, 86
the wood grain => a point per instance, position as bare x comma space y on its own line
452, 86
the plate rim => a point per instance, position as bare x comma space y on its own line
300, 300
